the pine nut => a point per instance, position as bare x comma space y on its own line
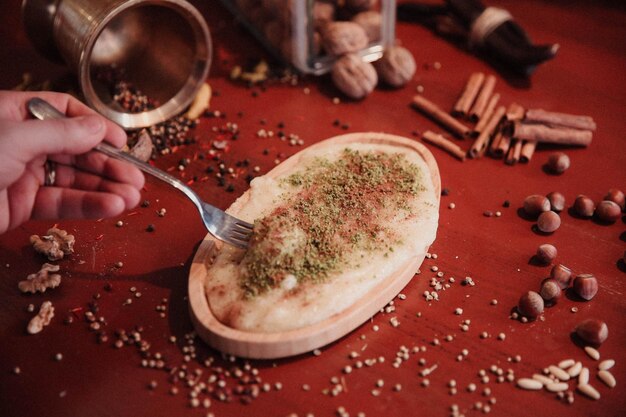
589, 391
607, 378
575, 369
529, 384
557, 387
543, 379
558, 372
592, 352
606, 364
583, 377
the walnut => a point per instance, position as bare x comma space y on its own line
360, 5
323, 12
143, 148
396, 67
343, 37
353, 76
41, 280
55, 244
42, 319
371, 22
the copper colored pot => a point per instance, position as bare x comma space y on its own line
162, 47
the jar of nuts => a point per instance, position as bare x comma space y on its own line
312, 34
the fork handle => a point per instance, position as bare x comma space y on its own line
43, 110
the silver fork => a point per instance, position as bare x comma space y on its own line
219, 223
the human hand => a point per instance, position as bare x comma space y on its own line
87, 184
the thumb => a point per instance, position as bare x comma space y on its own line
75, 135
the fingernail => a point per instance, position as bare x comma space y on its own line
93, 124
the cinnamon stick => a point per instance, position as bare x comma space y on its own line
503, 146
478, 109
547, 134
433, 111
445, 144
515, 112
528, 149
465, 101
491, 106
481, 143
560, 119
495, 144
514, 152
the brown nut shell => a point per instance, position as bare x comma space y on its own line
616, 196
548, 222
558, 163
536, 204
608, 211
546, 253
530, 305
371, 22
343, 38
592, 331
353, 76
550, 291
562, 274
396, 67
586, 286
584, 206
557, 201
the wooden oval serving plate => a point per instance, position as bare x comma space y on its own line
293, 342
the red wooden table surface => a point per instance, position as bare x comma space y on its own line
97, 379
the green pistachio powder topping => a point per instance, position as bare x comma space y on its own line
338, 207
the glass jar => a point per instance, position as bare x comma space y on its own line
295, 30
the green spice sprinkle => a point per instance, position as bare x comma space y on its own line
338, 207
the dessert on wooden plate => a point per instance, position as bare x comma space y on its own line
339, 229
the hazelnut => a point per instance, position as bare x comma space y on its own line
616, 196
550, 291
530, 305
536, 204
343, 37
592, 331
562, 274
584, 206
548, 221
608, 211
557, 201
586, 286
396, 67
353, 76
546, 253
558, 163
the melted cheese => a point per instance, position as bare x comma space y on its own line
292, 304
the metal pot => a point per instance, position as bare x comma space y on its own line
162, 47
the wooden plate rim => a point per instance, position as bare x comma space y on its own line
293, 342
